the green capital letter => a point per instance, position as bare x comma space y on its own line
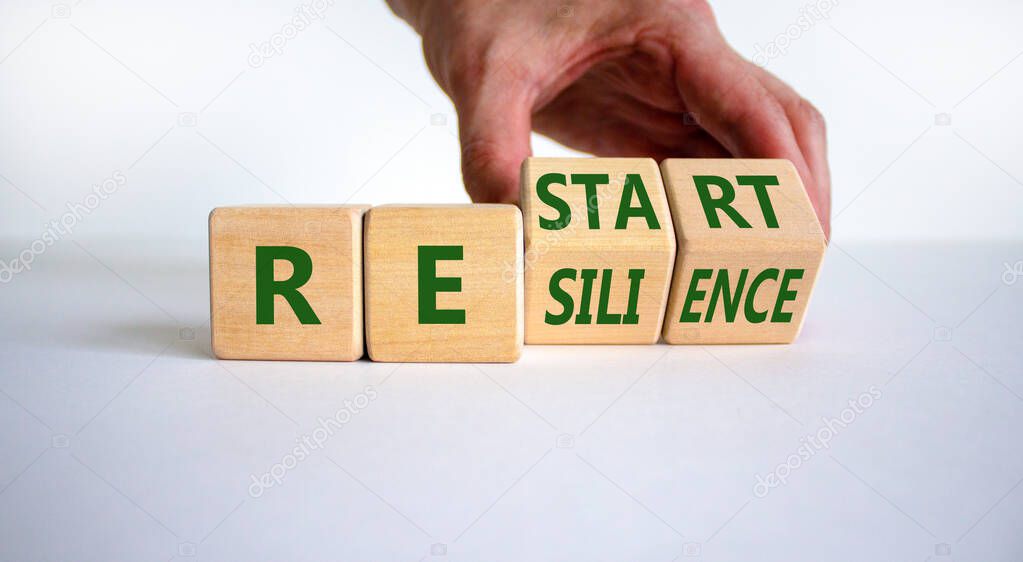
694, 294
759, 184
724, 203
635, 277
430, 285
267, 287
561, 296
634, 186
584, 316
784, 295
753, 315
603, 316
543, 191
723, 290
591, 181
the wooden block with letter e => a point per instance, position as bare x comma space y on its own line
750, 248
286, 282
444, 283
599, 250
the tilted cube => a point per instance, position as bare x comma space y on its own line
750, 248
599, 250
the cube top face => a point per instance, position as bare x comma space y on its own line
599, 250
734, 203
443, 283
286, 282
750, 249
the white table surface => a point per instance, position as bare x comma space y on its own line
122, 439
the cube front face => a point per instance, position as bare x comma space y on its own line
599, 250
444, 283
750, 251
286, 283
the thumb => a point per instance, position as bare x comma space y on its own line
494, 126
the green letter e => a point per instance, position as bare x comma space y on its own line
430, 285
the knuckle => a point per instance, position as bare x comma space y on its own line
682, 11
699, 7
810, 115
747, 100
469, 69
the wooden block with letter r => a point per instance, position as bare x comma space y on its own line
750, 248
599, 250
444, 283
286, 282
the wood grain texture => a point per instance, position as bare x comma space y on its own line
594, 242
491, 283
792, 243
332, 237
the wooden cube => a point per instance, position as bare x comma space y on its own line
444, 283
599, 250
750, 248
286, 282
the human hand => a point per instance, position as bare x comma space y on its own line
613, 78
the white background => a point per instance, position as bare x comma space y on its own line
344, 112
122, 439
